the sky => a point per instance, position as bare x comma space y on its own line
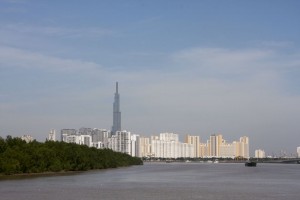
188, 67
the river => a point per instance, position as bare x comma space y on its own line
163, 181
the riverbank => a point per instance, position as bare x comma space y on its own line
18, 157
34, 175
49, 174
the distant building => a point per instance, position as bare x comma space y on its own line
27, 138
164, 145
101, 135
167, 145
260, 153
85, 131
124, 141
195, 142
116, 113
218, 147
85, 140
67, 132
113, 143
86, 136
298, 152
135, 145
52, 135
72, 139
242, 148
144, 147
226, 150
120, 142
169, 137
214, 144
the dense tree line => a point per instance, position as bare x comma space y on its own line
17, 156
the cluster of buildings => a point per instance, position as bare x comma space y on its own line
164, 145
27, 138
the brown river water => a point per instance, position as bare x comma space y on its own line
163, 181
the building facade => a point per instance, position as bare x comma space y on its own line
164, 145
52, 135
116, 112
167, 145
27, 138
260, 153
195, 142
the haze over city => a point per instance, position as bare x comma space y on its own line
188, 67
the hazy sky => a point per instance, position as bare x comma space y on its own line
197, 67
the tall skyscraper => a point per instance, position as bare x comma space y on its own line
116, 113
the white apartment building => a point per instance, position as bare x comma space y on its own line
203, 150
298, 152
113, 143
260, 153
195, 142
243, 148
167, 145
98, 145
67, 132
226, 150
72, 139
135, 144
169, 137
144, 147
80, 139
27, 138
100, 137
122, 142
85, 140
52, 135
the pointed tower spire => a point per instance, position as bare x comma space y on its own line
117, 87
116, 112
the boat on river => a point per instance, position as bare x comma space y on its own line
250, 164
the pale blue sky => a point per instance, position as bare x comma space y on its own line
197, 67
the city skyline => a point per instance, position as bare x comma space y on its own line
197, 67
163, 145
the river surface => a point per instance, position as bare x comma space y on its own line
163, 181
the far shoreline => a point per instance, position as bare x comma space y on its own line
36, 175
22, 176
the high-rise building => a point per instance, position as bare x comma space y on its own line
242, 147
144, 147
52, 135
260, 153
195, 141
167, 145
100, 135
298, 152
116, 113
67, 132
85, 131
27, 138
214, 143
135, 145
123, 141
